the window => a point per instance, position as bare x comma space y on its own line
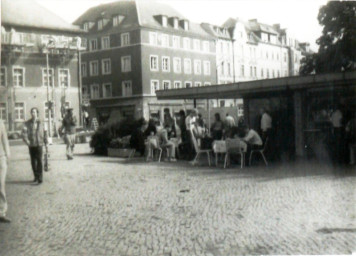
207, 83
207, 68
164, 40
266, 55
63, 76
94, 70
50, 77
177, 84
273, 73
19, 111
47, 111
176, 42
126, 64
3, 76
153, 38
285, 73
154, 86
107, 90
177, 65
285, 57
261, 72
188, 84
100, 24
242, 70
165, 64
106, 66
117, 20
196, 44
175, 23
186, 25
164, 21
95, 94
125, 39
18, 76
186, 43
166, 85
105, 42
251, 72
154, 63
197, 84
93, 45
3, 111
85, 93
84, 69
278, 74
187, 66
206, 46
86, 26
197, 67
126, 88
267, 71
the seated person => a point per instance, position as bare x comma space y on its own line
166, 143
161, 140
252, 139
137, 140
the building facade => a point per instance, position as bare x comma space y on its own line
39, 65
135, 48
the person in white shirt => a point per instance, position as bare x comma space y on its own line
191, 119
4, 159
266, 123
252, 139
339, 135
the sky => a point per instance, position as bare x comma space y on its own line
298, 16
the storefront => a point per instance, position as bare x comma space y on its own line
293, 102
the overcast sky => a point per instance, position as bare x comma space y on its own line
299, 17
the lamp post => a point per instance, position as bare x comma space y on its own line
49, 104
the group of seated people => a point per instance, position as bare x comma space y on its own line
150, 135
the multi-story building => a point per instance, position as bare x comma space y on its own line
137, 47
39, 64
252, 50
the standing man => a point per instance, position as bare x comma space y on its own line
68, 125
266, 124
34, 136
4, 159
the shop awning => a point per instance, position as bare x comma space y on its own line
265, 87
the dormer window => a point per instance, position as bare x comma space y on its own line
86, 26
100, 24
175, 23
186, 25
117, 20
164, 21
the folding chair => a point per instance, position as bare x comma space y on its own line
198, 150
261, 152
233, 146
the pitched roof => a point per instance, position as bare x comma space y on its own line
217, 31
28, 13
139, 14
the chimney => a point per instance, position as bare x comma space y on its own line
277, 26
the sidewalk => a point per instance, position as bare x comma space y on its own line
109, 206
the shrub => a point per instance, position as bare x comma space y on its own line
107, 135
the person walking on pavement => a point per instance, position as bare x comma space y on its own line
68, 125
4, 159
34, 136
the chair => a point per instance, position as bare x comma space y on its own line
261, 152
233, 146
198, 150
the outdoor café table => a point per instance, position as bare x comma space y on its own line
219, 146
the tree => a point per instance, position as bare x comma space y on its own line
337, 44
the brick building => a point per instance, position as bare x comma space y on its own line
30, 35
135, 48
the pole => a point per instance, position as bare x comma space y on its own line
80, 87
49, 106
209, 122
10, 96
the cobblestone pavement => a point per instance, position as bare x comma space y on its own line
109, 206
